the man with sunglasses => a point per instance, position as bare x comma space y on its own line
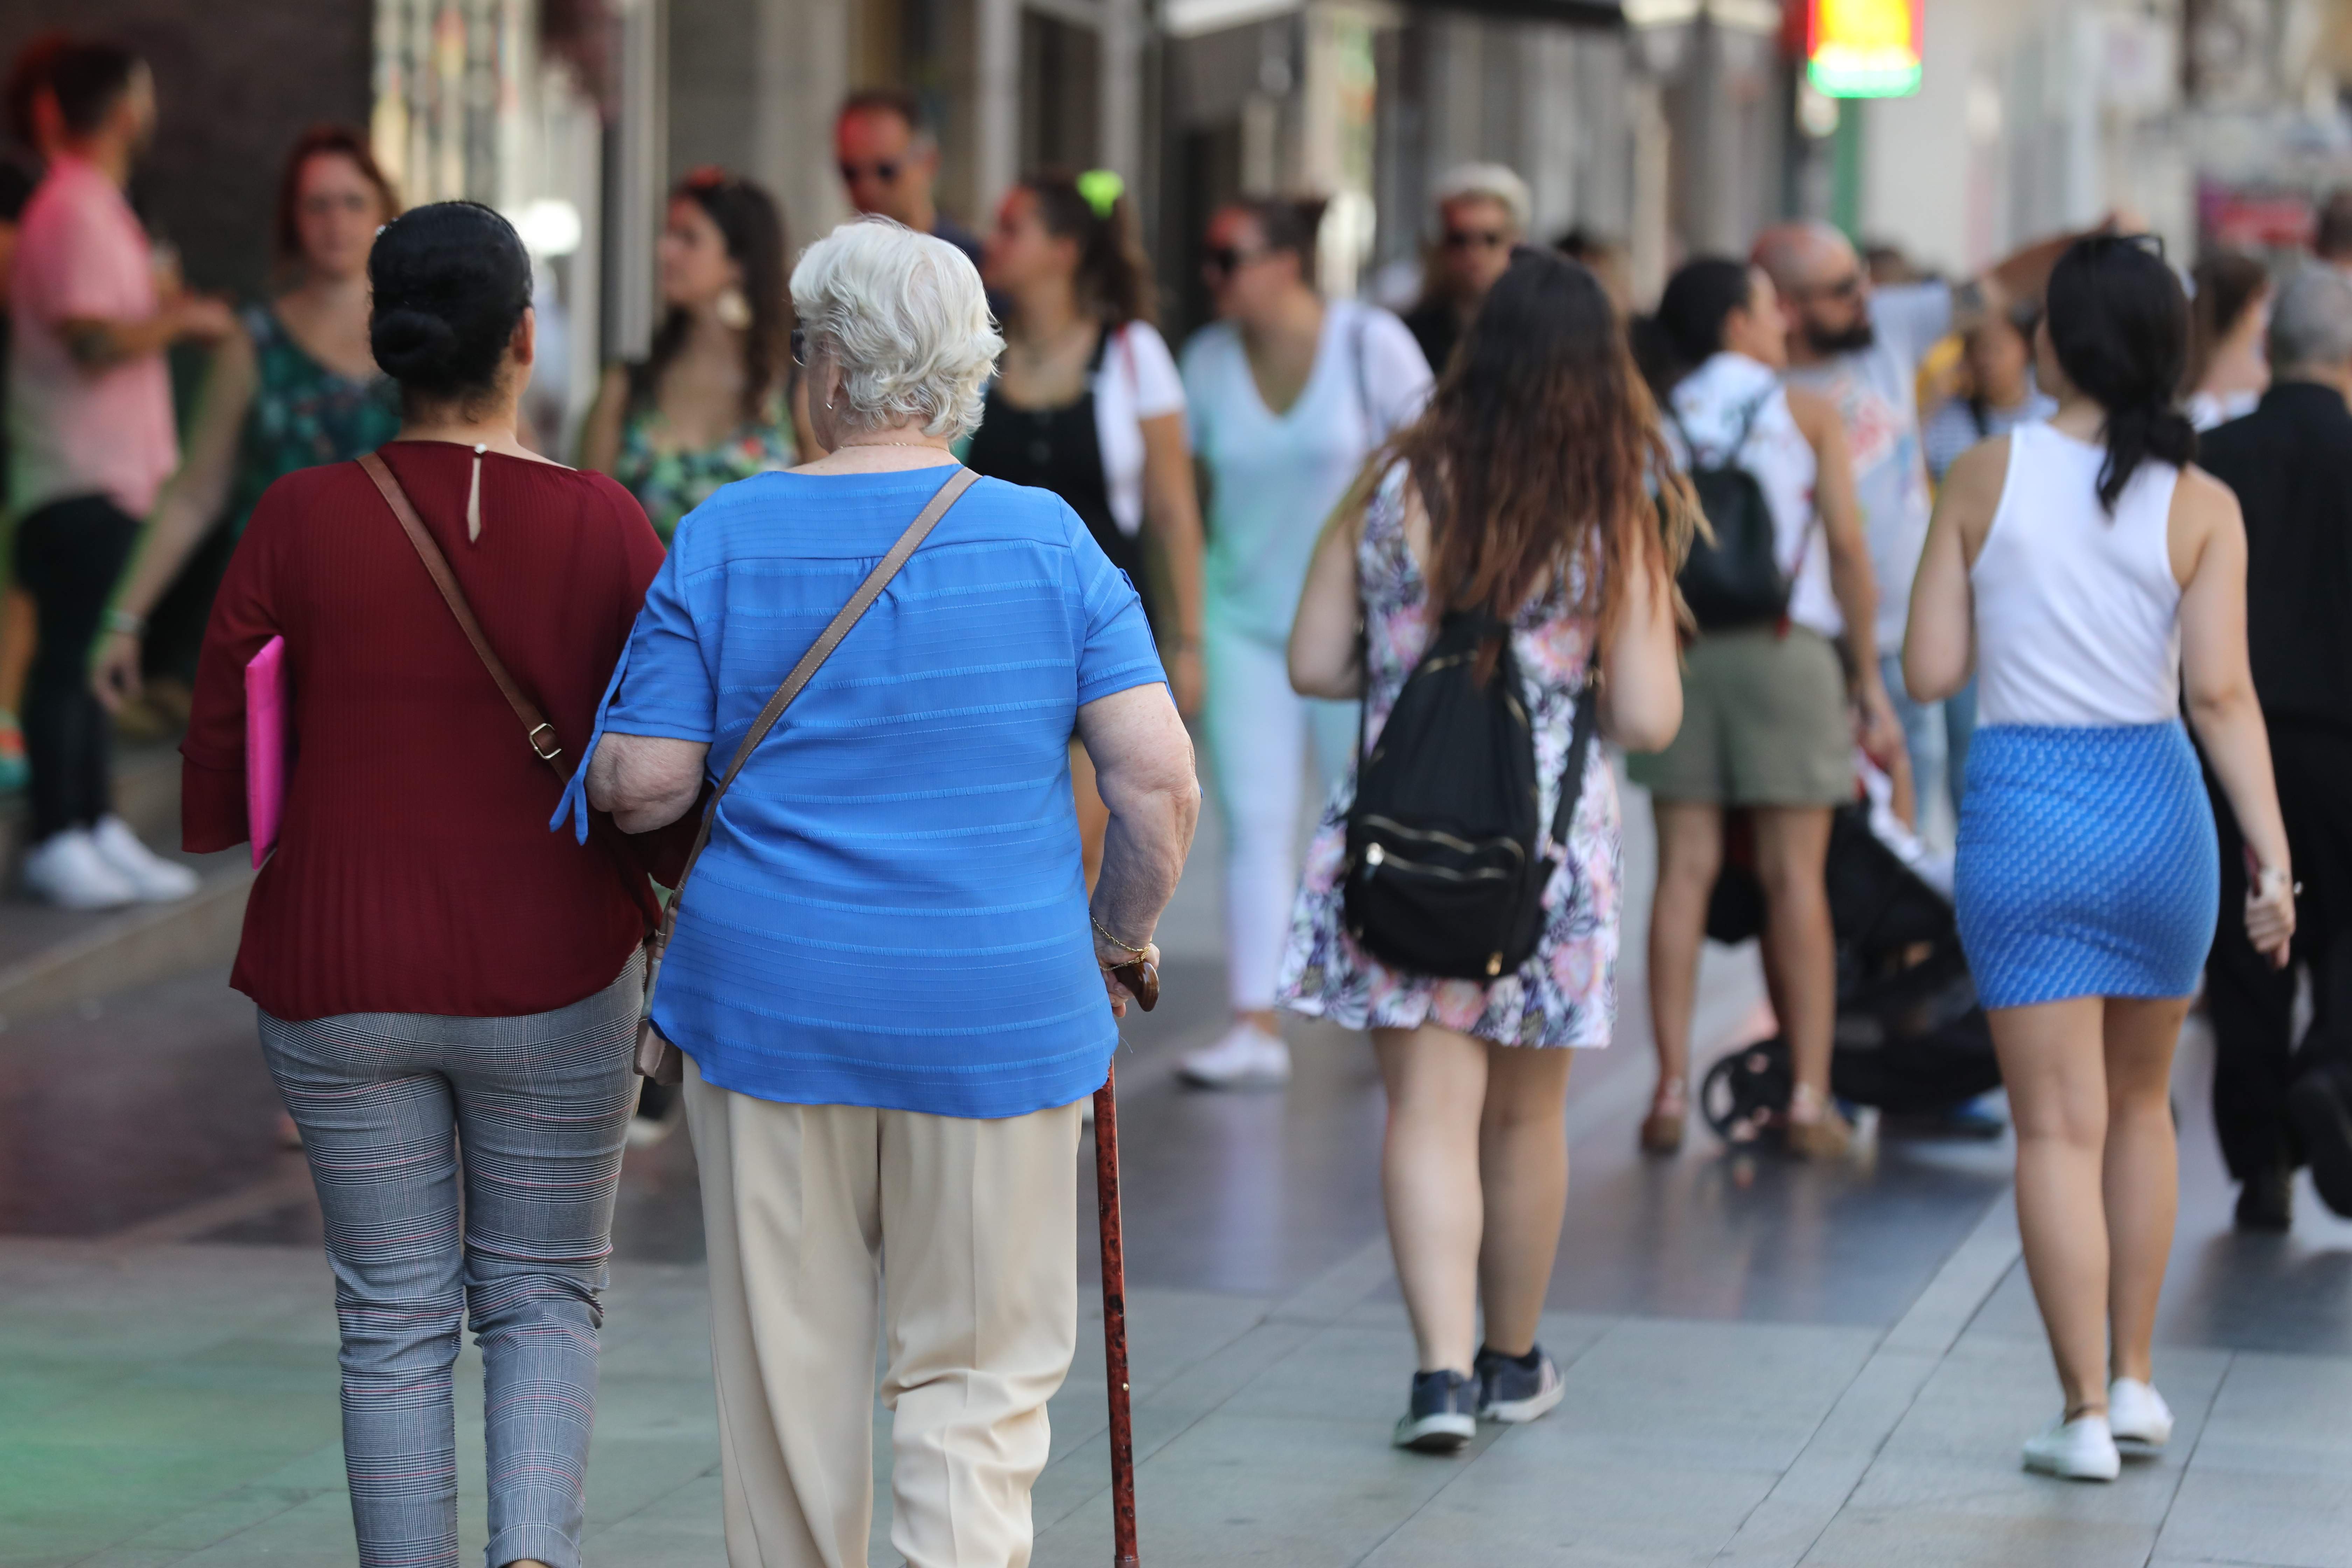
1482, 213
889, 160
1861, 347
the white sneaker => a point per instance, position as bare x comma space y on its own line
66, 869
1247, 1058
155, 879
2137, 1415
2083, 1450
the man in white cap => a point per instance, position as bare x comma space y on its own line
1482, 212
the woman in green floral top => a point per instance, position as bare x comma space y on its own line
295, 388
711, 403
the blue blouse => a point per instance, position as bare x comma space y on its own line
891, 911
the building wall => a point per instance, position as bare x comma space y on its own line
233, 100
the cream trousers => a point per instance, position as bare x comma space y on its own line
804, 1209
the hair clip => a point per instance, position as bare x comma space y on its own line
706, 177
1101, 188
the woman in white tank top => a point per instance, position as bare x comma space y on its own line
2082, 568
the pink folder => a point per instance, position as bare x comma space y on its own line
266, 718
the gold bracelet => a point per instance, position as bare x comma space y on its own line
1124, 946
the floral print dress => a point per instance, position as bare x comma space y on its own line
1567, 994
303, 414
669, 481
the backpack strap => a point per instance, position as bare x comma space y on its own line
1579, 747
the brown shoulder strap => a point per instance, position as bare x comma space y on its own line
537, 731
818, 652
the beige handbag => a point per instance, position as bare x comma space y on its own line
656, 1059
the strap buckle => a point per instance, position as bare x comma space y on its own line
554, 746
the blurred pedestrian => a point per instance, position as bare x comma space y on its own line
1289, 392
1997, 392
35, 130
1087, 403
1482, 216
293, 387
890, 160
2229, 312
2086, 571
90, 408
1526, 482
711, 401
886, 978
1770, 723
1862, 346
2289, 465
448, 994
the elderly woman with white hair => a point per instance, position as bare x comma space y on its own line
890, 989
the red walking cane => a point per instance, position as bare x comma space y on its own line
1142, 980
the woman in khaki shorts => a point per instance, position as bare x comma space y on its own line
1769, 712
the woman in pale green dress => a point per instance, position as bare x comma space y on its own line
712, 402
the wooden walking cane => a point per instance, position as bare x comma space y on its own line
1142, 980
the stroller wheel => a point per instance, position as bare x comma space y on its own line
1747, 1090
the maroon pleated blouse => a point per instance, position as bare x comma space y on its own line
414, 871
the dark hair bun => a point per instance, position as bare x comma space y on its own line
451, 282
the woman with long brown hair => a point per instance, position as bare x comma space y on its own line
1529, 483
711, 401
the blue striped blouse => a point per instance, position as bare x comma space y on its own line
891, 911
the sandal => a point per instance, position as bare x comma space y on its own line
1661, 1130
1823, 1135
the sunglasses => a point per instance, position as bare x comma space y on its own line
1477, 238
1225, 260
1846, 288
885, 172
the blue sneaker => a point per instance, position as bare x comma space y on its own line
1516, 1388
1443, 1413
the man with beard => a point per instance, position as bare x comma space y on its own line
1861, 347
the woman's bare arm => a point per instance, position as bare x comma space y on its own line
1852, 580
1641, 677
1939, 644
2208, 538
1171, 511
1144, 770
1325, 653
645, 780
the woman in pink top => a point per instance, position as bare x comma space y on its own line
89, 406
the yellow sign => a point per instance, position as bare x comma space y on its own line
1864, 48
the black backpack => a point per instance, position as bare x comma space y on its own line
1445, 871
1737, 580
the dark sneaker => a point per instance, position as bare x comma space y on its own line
2323, 1113
1443, 1413
2266, 1203
1516, 1388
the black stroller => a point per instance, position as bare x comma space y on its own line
1911, 1037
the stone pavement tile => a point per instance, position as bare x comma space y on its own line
683, 1528
1934, 1538
316, 1533
1516, 1503
2271, 1478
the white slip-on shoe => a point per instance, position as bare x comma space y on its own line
66, 869
154, 879
2138, 1416
1246, 1058
2082, 1449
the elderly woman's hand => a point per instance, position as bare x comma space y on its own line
1110, 956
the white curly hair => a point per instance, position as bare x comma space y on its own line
905, 317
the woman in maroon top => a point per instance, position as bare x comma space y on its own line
435, 970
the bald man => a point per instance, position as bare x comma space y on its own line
1860, 347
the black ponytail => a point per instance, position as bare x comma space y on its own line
2119, 324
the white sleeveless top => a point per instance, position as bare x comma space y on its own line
1709, 407
2077, 614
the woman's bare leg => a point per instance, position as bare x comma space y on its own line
2141, 1178
2053, 1058
1793, 851
1690, 854
1523, 1169
1436, 1082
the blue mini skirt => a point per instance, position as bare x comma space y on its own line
2087, 863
